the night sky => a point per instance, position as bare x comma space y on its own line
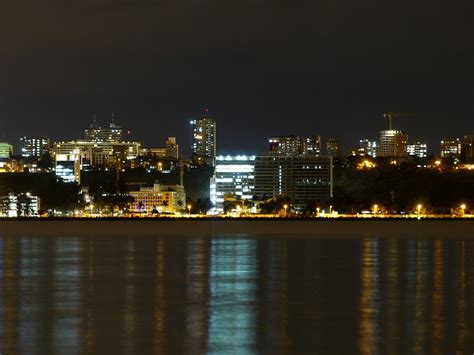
261, 67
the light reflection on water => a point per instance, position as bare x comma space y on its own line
235, 295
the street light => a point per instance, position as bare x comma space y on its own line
376, 208
330, 209
463, 208
317, 211
285, 206
189, 210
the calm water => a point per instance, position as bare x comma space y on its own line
113, 295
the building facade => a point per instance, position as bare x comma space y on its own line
300, 178
467, 149
333, 148
34, 146
170, 150
204, 140
392, 143
418, 149
233, 179
111, 134
159, 198
367, 147
6, 150
450, 147
22, 205
295, 145
68, 167
98, 153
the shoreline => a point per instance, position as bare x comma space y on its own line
240, 227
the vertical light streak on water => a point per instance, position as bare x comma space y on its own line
130, 311
392, 298
88, 305
66, 296
8, 318
159, 316
408, 294
421, 293
369, 325
276, 296
462, 299
437, 306
232, 305
196, 294
29, 295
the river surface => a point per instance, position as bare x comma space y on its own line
80, 294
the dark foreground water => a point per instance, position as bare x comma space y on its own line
244, 295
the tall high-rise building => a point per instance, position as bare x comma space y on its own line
451, 147
295, 145
6, 150
233, 179
34, 146
418, 149
302, 178
393, 143
333, 147
204, 140
111, 134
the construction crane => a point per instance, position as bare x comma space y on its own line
391, 115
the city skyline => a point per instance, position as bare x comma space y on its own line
234, 146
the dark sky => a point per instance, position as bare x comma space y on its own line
261, 67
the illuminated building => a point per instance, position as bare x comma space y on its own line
204, 140
295, 145
22, 205
392, 143
171, 150
162, 198
233, 178
301, 178
111, 134
6, 150
418, 149
34, 146
68, 167
451, 147
98, 153
367, 147
333, 148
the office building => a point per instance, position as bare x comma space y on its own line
367, 147
21, 205
301, 178
417, 149
68, 167
295, 145
98, 153
111, 134
333, 148
34, 146
451, 147
392, 143
6, 150
169, 151
233, 179
159, 198
204, 140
